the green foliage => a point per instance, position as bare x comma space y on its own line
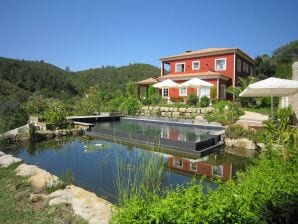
265, 193
192, 100
235, 131
114, 104
132, 89
204, 101
130, 106
279, 64
55, 114
228, 112
213, 93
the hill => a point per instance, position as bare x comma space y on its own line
113, 80
39, 77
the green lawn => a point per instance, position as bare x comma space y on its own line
264, 110
15, 206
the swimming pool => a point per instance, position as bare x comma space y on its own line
174, 135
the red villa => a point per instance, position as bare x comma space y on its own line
219, 66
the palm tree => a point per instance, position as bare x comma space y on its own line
242, 83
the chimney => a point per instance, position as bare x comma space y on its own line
188, 51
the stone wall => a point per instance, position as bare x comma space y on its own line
293, 100
172, 112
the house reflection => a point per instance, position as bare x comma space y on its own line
201, 167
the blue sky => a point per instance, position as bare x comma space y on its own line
85, 34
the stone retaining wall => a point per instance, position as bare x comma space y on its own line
174, 112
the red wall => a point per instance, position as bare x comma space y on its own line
206, 64
203, 168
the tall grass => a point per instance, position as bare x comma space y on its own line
137, 174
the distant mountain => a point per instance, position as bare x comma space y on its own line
112, 79
34, 76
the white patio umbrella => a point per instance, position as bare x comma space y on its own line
195, 83
271, 87
166, 84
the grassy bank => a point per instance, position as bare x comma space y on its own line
15, 206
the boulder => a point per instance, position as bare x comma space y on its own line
183, 110
2, 153
241, 143
84, 203
7, 160
38, 178
176, 114
25, 170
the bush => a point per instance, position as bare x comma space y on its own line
130, 106
56, 114
235, 131
265, 193
114, 104
192, 100
224, 113
204, 101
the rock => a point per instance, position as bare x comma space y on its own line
2, 153
37, 197
7, 160
39, 178
182, 110
262, 146
43, 180
25, 170
84, 203
176, 114
241, 143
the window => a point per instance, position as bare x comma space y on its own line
179, 67
223, 91
193, 166
251, 70
239, 65
165, 93
204, 91
217, 170
195, 65
183, 91
220, 64
178, 163
245, 67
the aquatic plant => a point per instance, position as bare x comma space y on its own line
138, 174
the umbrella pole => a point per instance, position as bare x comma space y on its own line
272, 107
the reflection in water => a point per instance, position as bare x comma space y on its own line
95, 169
173, 132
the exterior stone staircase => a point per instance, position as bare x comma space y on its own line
252, 119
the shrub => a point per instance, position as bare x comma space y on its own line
265, 193
114, 104
225, 113
192, 100
235, 131
55, 114
204, 101
130, 106
222, 104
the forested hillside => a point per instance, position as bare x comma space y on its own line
113, 80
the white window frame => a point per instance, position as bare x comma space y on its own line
192, 65
163, 92
175, 161
239, 65
216, 174
181, 63
224, 95
191, 168
201, 95
180, 92
220, 59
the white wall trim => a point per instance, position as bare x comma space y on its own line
218, 59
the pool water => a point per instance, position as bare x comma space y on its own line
153, 129
96, 163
